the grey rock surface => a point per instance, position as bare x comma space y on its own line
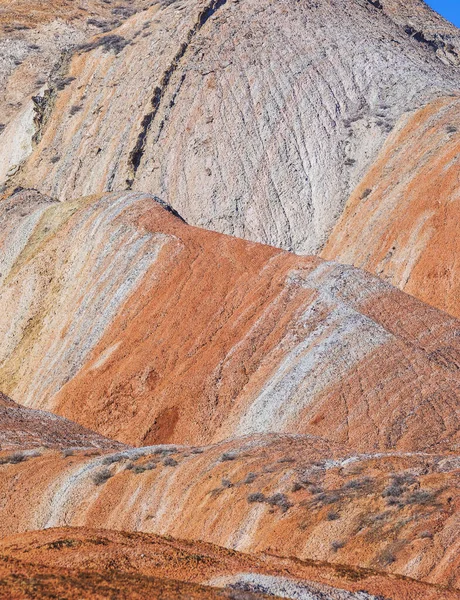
248, 117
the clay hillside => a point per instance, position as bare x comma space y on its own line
229, 300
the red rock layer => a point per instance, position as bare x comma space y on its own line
402, 220
23, 428
146, 330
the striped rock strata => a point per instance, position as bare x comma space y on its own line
116, 314
37, 38
251, 118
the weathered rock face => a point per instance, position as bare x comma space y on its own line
24, 429
288, 495
36, 42
250, 118
147, 330
402, 220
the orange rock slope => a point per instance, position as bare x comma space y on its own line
402, 220
134, 559
118, 315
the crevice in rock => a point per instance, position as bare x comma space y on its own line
160, 91
44, 105
436, 43
169, 208
376, 3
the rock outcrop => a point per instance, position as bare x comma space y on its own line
147, 330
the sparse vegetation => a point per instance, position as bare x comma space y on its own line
250, 478
102, 476
114, 458
228, 456
62, 83
337, 545
426, 535
76, 108
108, 43
256, 497
387, 557
13, 459
279, 500
332, 516
169, 461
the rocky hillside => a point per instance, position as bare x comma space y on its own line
287, 495
147, 330
251, 118
401, 222
289, 390
25, 429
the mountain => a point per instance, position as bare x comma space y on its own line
229, 300
250, 119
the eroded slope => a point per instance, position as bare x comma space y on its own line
24, 429
142, 555
287, 495
147, 330
402, 220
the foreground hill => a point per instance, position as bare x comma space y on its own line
80, 557
288, 495
147, 330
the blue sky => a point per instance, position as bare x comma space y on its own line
449, 9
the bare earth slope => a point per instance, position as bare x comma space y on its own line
401, 222
141, 556
251, 118
147, 330
36, 42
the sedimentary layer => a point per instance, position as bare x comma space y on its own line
250, 118
90, 553
401, 222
